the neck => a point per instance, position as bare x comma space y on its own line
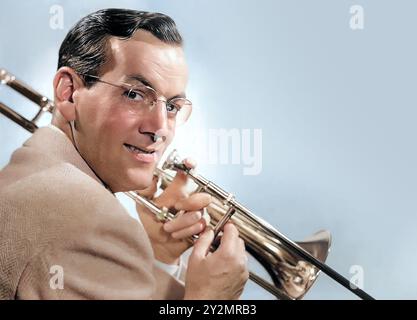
68, 129
64, 125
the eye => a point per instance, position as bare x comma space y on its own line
134, 95
172, 108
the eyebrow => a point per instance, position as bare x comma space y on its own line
143, 80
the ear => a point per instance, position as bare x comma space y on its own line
66, 82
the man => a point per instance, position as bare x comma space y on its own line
119, 93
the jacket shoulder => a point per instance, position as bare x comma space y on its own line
61, 209
57, 203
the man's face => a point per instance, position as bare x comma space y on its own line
107, 120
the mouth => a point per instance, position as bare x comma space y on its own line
141, 154
136, 149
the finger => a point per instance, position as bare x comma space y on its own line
150, 190
179, 214
190, 163
230, 239
196, 201
181, 176
202, 245
241, 244
196, 228
177, 188
183, 221
243, 249
206, 217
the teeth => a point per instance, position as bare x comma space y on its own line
136, 150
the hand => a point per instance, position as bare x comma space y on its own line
218, 275
169, 240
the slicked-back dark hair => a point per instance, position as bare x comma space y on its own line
84, 47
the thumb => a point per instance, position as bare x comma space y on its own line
181, 178
177, 188
202, 245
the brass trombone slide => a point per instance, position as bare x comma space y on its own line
292, 266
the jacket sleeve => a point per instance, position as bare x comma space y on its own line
90, 249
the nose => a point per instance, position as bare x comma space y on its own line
154, 121
157, 116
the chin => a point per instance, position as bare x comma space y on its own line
138, 180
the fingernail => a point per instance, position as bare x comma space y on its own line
202, 225
179, 213
197, 215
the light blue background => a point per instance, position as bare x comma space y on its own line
336, 108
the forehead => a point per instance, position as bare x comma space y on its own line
162, 64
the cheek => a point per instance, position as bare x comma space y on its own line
107, 121
118, 123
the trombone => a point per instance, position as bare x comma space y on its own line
292, 266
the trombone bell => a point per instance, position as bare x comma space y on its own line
291, 276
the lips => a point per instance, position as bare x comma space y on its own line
137, 149
141, 155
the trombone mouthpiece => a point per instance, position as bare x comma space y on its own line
173, 162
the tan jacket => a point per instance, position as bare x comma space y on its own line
56, 218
